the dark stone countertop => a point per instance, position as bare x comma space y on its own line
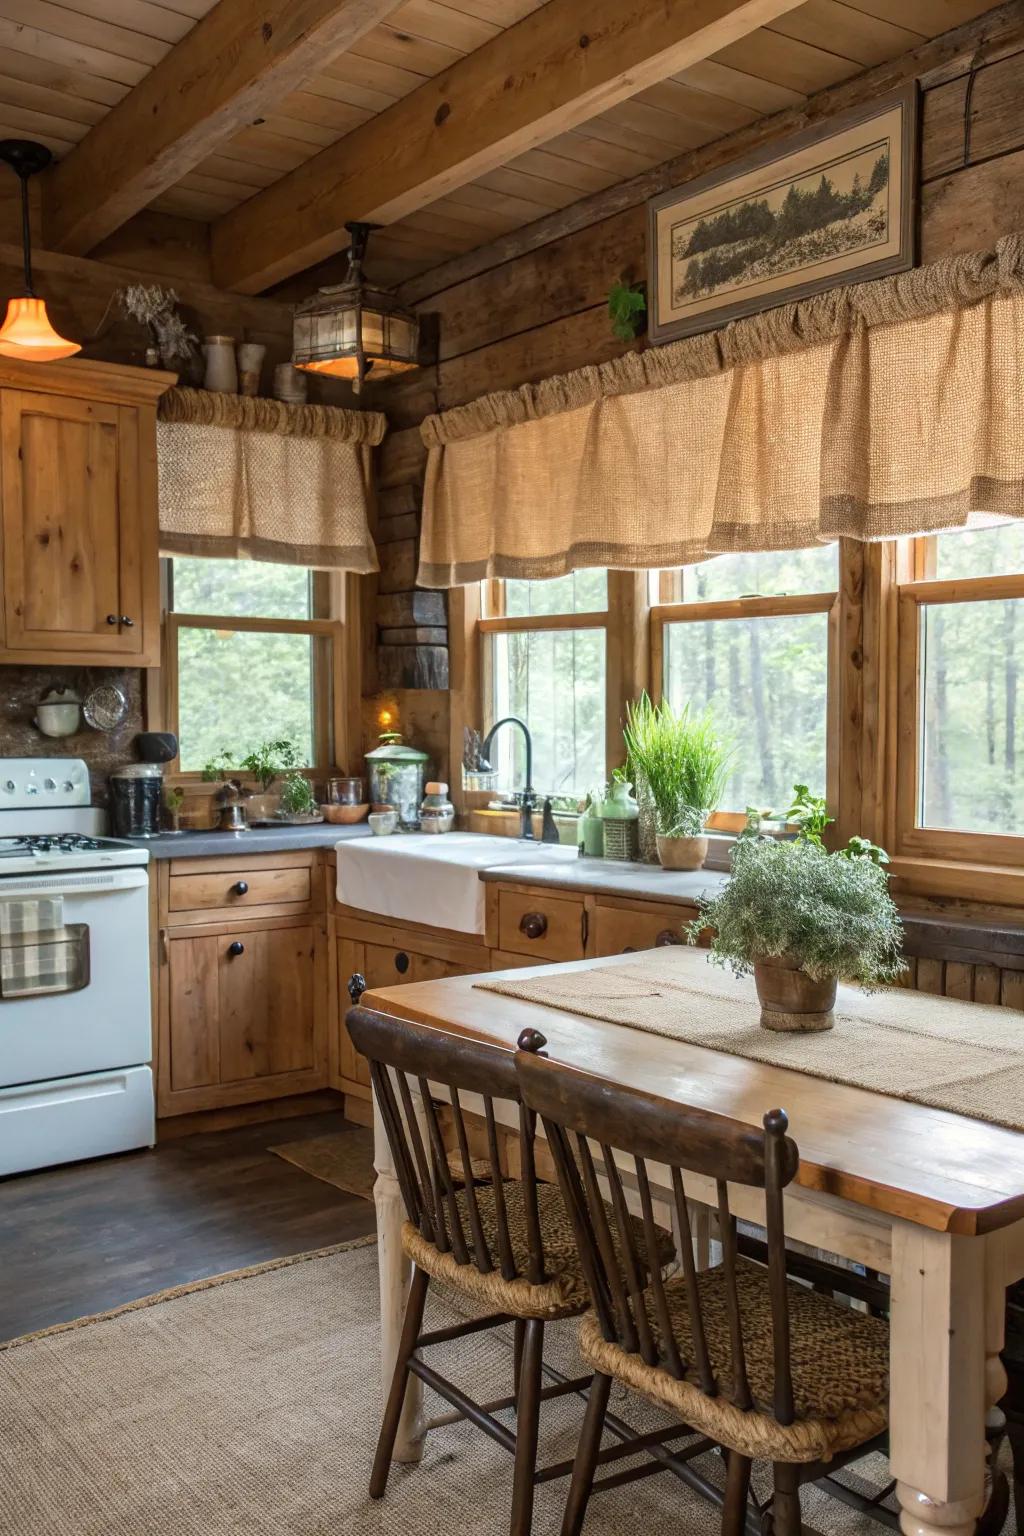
257, 840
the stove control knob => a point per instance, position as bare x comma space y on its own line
67, 786
31, 789
49, 784
9, 786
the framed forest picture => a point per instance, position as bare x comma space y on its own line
834, 204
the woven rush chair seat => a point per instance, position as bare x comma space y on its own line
840, 1365
563, 1293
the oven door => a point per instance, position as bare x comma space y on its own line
104, 1022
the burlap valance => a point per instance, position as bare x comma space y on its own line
261, 480
868, 411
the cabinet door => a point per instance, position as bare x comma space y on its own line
239, 1019
72, 526
266, 1003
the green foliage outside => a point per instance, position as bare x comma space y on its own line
831, 914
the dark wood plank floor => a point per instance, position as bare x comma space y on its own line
88, 1236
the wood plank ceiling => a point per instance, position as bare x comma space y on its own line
65, 63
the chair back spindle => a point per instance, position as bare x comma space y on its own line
440, 1183
622, 1258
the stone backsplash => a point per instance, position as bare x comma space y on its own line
21, 688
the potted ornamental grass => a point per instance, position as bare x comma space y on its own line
680, 767
800, 918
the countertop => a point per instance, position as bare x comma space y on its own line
609, 877
209, 845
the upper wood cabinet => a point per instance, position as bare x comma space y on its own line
78, 513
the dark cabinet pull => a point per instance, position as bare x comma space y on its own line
401, 962
241, 887
533, 924
127, 622
111, 618
356, 986
667, 936
236, 947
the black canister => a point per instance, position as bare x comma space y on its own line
135, 797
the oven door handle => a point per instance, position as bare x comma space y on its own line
81, 882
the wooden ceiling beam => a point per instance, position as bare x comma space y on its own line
239, 60
556, 68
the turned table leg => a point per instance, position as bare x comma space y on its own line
941, 1338
395, 1275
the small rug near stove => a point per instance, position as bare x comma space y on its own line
342, 1158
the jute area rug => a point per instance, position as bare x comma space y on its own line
342, 1158
250, 1406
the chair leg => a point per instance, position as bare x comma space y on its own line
527, 1423
518, 1335
786, 1503
399, 1382
1015, 1435
586, 1456
737, 1488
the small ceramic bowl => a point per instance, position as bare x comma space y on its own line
383, 823
344, 815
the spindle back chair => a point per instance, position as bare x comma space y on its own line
715, 1345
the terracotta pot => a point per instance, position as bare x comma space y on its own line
791, 1000
682, 852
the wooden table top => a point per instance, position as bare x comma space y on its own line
924, 1165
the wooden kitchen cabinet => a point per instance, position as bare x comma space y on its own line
241, 989
78, 513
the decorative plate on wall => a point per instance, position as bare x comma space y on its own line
105, 708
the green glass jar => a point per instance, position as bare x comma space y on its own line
396, 778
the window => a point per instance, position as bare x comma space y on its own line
961, 712
248, 659
545, 660
749, 636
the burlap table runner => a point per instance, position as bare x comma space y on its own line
964, 1057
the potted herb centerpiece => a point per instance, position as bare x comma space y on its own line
266, 763
800, 918
680, 767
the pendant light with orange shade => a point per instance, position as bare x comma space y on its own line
26, 332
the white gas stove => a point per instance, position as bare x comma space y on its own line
75, 1022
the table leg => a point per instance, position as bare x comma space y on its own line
940, 1339
395, 1274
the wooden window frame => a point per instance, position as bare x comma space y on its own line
741, 608
336, 666
913, 841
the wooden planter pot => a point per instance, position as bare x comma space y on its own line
682, 852
791, 1000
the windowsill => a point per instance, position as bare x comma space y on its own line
958, 880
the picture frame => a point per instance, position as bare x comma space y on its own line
834, 204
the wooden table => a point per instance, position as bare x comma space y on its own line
932, 1199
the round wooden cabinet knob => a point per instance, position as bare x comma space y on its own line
236, 947
241, 887
401, 962
356, 986
533, 924
667, 936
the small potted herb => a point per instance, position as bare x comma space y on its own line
800, 918
266, 763
298, 802
680, 768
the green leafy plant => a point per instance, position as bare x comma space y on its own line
219, 768
174, 798
297, 797
270, 759
828, 913
810, 814
678, 762
627, 307
864, 848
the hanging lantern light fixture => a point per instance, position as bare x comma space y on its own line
353, 329
26, 332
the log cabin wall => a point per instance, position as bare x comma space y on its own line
533, 303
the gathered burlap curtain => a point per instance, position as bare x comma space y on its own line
868, 411
261, 480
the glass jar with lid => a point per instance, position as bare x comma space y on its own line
437, 814
396, 777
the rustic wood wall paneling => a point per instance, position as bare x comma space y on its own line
516, 311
